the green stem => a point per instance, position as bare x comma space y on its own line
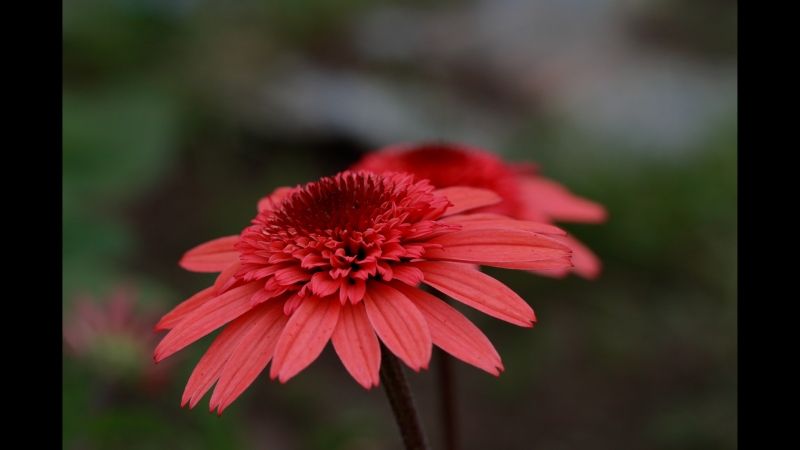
396, 387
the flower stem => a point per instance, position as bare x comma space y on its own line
394, 382
448, 400
447, 391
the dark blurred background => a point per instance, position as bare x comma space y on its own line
178, 115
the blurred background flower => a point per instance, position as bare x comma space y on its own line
116, 340
179, 115
526, 194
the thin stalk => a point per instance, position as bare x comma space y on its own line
447, 391
448, 400
396, 387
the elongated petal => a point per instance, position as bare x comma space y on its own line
453, 332
356, 344
585, 262
250, 357
399, 324
304, 336
546, 199
213, 256
477, 290
487, 245
207, 318
213, 361
487, 220
465, 198
172, 318
564, 263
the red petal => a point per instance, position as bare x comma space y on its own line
211, 364
465, 198
557, 263
486, 220
553, 273
407, 274
291, 275
399, 324
477, 290
174, 317
586, 263
487, 245
250, 356
213, 256
355, 291
356, 344
453, 332
543, 197
304, 336
226, 279
323, 285
207, 318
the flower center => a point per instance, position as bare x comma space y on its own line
334, 234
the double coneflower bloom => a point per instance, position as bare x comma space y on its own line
343, 259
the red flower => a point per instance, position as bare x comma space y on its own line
340, 259
115, 339
526, 195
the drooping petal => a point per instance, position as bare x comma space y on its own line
399, 324
207, 318
304, 336
477, 290
542, 198
178, 313
453, 332
487, 245
465, 198
356, 344
487, 220
585, 262
213, 361
250, 357
213, 256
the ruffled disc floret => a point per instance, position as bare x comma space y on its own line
331, 236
